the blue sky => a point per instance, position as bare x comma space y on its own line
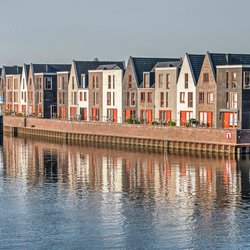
57, 31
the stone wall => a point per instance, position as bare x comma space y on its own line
202, 135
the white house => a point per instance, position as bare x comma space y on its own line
186, 88
23, 93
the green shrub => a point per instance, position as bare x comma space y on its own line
172, 123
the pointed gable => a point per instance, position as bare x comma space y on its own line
196, 62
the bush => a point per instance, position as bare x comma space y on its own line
132, 121
155, 123
171, 123
19, 115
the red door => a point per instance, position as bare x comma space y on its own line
85, 114
127, 114
93, 114
149, 111
115, 115
209, 119
168, 116
72, 112
226, 120
23, 109
183, 118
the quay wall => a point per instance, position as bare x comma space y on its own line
177, 134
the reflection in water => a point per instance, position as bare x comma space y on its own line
80, 196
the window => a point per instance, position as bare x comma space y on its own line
60, 98
201, 97
15, 96
81, 97
9, 84
227, 79
108, 98
210, 97
227, 100
182, 97
166, 99
247, 80
73, 82
97, 98
93, 81
233, 119
48, 83
109, 82
62, 82
15, 84
146, 80
73, 98
233, 100
22, 96
162, 99
113, 81
132, 99
160, 81
186, 81
114, 98
190, 99
83, 81
234, 80
85, 96
25, 96
128, 95
150, 96
167, 81
130, 81
142, 96
96, 82
205, 77
59, 83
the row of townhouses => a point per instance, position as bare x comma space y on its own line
213, 90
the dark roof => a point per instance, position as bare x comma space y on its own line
82, 67
27, 68
238, 59
50, 68
196, 62
147, 64
217, 59
0, 72
13, 70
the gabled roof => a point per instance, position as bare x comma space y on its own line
27, 69
196, 62
216, 59
13, 70
146, 65
0, 72
82, 67
50, 68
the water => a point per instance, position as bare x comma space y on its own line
80, 197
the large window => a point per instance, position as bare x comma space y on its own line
162, 99
201, 97
48, 83
108, 98
146, 80
150, 96
190, 99
160, 81
142, 96
210, 97
205, 77
186, 81
166, 99
132, 99
130, 81
233, 100
182, 97
234, 80
167, 81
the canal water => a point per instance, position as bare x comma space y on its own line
57, 196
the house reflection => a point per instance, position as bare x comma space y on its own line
147, 175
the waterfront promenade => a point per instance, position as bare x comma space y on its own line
160, 137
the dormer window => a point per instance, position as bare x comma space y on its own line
247, 80
146, 80
48, 83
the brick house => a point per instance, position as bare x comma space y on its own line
42, 88
186, 88
110, 84
85, 90
10, 87
23, 94
138, 88
166, 76
233, 92
206, 98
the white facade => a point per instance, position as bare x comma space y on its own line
115, 88
83, 100
181, 88
23, 93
